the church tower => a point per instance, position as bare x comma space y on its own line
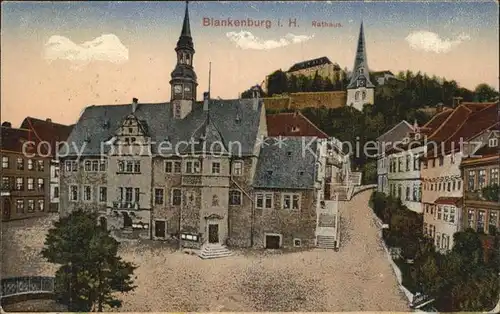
184, 82
360, 90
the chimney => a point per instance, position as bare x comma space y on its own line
255, 96
134, 104
206, 97
7, 124
48, 120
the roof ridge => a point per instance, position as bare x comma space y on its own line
448, 118
314, 125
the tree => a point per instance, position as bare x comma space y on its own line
485, 93
91, 270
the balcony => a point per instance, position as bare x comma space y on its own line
125, 205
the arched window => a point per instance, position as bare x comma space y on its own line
361, 70
356, 96
363, 95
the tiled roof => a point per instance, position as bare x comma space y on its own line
286, 167
437, 119
237, 120
13, 140
448, 200
46, 130
292, 124
309, 64
465, 122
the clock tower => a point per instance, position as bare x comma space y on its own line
360, 90
184, 82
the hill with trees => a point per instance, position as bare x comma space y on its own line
406, 100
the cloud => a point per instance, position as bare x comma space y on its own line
431, 42
106, 47
246, 40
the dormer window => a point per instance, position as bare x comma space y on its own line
269, 172
361, 70
130, 130
493, 142
295, 129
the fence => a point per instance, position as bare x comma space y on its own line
26, 285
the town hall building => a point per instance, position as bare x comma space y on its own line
203, 173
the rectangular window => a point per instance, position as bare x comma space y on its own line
103, 194
169, 167
40, 205
137, 195
449, 186
193, 166
439, 212
40, 184
95, 165
408, 160
137, 166
102, 165
176, 197
492, 221
290, 201
480, 221
56, 192
237, 168
19, 184
494, 176
128, 195
6, 183
482, 178
129, 166
445, 213
20, 206
31, 206
71, 165
234, 197
40, 166
87, 193
425, 228
215, 167
73, 193
87, 165
263, 200
454, 185
471, 182
31, 184
177, 166
5, 162
452, 215
159, 196
408, 193
20, 164
438, 240
471, 218
30, 164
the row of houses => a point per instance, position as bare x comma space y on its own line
447, 169
30, 170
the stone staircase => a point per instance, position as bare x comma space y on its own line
214, 251
355, 178
326, 242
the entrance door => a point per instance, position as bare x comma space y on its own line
272, 242
6, 209
213, 233
127, 221
160, 229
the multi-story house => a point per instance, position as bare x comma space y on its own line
25, 174
481, 180
385, 142
199, 172
51, 135
441, 175
404, 172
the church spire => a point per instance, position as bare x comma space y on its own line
360, 69
185, 40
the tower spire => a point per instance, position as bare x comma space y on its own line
360, 62
185, 40
186, 29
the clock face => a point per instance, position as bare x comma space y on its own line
177, 89
187, 88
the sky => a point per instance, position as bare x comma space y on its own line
59, 57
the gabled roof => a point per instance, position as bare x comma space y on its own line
48, 131
466, 121
286, 167
237, 121
284, 124
437, 120
309, 64
13, 140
